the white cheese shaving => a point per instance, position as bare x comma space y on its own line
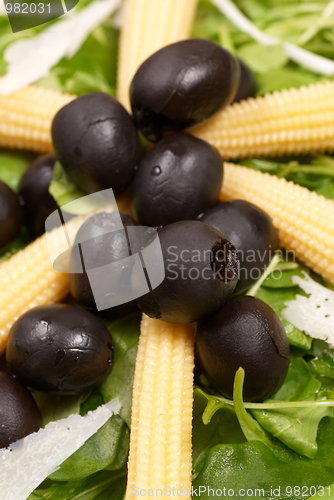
3, 11
314, 314
31, 58
314, 62
26, 463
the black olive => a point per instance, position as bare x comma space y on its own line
19, 413
246, 333
182, 85
97, 143
34, 190
11, 215
201, 269
247, 85
59, 348
251, 231
177, 180
100, 249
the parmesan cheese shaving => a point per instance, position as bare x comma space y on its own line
313, 314
31, 58
3, 11
26, 463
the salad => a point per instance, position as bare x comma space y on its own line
271, 437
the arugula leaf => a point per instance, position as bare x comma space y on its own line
275, 291
253, 466
125, 333
325, 440
222, 427
282, 277
54, 407
251, 429
322, 364
62, 188
92, 68
108, 447
94, 487
316, 173
296, 427
262, 58
13, 165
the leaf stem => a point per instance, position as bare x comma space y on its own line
269, 269
279, 404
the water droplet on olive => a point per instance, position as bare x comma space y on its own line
180, 177
156, 170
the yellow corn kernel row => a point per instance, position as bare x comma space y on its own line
305, 220
161, 424
26, 117
149, 25
288, 122
28, 279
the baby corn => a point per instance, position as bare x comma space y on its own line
26, 117
304, 219
160, 446
149, 25
292, 121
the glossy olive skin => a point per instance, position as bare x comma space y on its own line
191, 289
34, 190
97, 143
250, 229
177, 180
246, 333
11, 215
59, 348
19, 414
103, 249
247, 85
181, 85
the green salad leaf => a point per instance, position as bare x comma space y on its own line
296, 427
119, 384
54, 407
322, 364
62, 188
101, 486
277, 289
220, 427
13, 165
254, 467
108, 447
